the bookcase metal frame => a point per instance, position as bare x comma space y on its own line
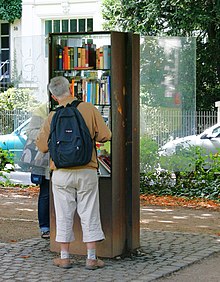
119, 192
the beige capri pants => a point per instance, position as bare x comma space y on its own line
76, 190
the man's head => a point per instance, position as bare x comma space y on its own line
59, 87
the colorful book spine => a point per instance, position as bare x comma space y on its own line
88, 56
66, 58
92, 55
71, 58
79, 62
101, 58
89, 91
75, 49
106, 56
83, 57
59, 57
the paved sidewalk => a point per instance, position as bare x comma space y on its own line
161, 253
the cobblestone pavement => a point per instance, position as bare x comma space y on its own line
161, 253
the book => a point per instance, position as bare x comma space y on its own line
106, 56
83, 57
92, 55
72, 87
71, 58
75, 55
105, 161
88, 91
79, 62
59, 57
101, 58
86, 55
97, 59
66, 58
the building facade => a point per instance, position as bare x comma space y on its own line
24, 45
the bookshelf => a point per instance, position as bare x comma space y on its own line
103, 68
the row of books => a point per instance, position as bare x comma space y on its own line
85, 57
93, 91
105, 161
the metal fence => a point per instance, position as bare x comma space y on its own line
163, 125
10, 120
159, 124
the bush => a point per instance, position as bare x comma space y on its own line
201, 182
148, 154
5, 158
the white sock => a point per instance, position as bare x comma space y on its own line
65, 255
91, 253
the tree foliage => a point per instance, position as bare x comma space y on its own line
17, 98
199, 18
10, 10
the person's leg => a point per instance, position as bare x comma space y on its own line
88, 210
92, 262
65, 206
44, 208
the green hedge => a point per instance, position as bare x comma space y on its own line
184, 174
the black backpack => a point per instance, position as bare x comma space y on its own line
70, 143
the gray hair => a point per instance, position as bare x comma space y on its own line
59, 86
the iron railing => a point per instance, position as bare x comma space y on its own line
163, 125
159, 124
5, 75
10, 120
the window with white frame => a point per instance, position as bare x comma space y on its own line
69, 25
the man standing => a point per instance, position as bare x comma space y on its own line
76, 187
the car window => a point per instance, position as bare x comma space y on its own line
216, 131
211, 134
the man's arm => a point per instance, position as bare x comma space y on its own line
43, 135
103, 133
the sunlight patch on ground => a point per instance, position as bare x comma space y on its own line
180, 217
147, 220
156, 210
31, 210
207, 214
200, 217
165, 221
20, 196
18, 219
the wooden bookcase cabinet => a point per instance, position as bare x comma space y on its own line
119, 189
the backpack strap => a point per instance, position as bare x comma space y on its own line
75, 104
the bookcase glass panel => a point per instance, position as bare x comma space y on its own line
85, 60
167, 98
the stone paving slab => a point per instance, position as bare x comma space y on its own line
161, 253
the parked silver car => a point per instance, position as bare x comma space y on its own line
209, 140
183, 148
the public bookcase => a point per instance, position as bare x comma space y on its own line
103, 68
